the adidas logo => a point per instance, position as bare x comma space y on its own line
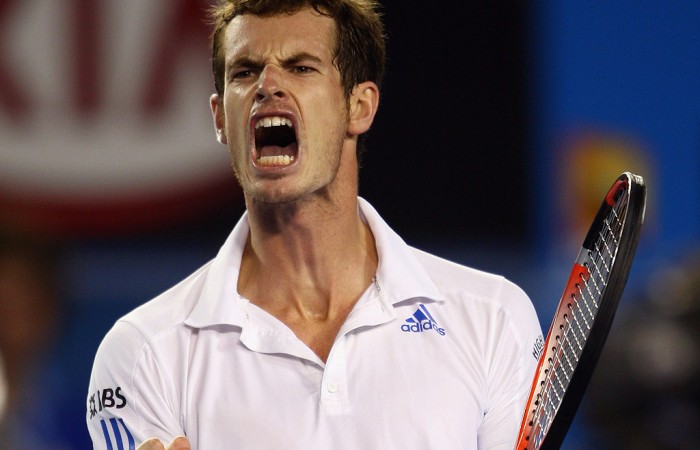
421, 321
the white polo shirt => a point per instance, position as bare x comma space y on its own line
433, 355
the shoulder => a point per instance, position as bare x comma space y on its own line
451, 277
477, 292
170, 308
151, 322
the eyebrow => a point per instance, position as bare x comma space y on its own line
247, 61
301, 56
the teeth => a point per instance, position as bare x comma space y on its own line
274, 121
280, 160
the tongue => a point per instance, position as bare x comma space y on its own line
272, 150
276, 150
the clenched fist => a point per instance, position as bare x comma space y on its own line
179, 443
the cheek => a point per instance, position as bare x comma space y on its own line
333, 117
236, 128
237, 108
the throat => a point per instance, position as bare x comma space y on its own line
318, 335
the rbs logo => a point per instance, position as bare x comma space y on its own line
106, 398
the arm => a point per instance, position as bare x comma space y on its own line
130, 398
511, 368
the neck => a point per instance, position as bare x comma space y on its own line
310, 260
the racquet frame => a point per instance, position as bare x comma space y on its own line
584, 316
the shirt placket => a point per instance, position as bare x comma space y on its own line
334, 386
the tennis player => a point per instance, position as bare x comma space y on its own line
315, 326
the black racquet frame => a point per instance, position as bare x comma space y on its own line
584, 316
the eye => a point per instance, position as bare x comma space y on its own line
244, 73
302, 70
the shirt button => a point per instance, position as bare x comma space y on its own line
332, 388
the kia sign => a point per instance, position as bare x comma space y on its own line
104, 114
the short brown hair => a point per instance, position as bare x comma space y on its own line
360, 47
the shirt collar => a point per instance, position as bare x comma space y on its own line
400, 276
399, 273
219, 301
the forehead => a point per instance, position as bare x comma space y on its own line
280, 35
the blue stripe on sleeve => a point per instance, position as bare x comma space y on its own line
132, 444
108, 440
117, 434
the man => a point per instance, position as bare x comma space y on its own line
316, 326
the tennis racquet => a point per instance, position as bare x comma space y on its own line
584, 316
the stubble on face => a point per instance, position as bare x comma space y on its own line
318, 102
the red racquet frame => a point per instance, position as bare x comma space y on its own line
584, 315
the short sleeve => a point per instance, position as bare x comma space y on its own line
511, 370
129, 398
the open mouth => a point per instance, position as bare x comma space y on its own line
275, 142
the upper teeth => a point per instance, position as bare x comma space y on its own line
273, 122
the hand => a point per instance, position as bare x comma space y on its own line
179, 443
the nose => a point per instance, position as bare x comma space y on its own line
269, 83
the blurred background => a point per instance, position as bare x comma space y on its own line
501, 126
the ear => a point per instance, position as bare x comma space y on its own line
217, 112
364, 101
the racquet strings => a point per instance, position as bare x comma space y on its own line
594, 266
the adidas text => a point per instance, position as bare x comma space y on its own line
421, 327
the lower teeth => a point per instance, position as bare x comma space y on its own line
280, 160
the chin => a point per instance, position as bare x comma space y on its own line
276, 197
